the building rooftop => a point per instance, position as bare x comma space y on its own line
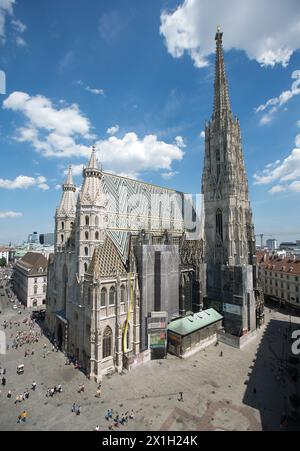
274, 262
34, 263
192, 323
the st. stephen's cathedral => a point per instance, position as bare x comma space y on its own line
126, 248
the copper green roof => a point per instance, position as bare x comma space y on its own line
192, 323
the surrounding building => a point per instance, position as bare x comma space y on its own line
5, 252
272, 244
30, 279
289, 245
280, 278
33, 238
229, 232
47, 239
128, 252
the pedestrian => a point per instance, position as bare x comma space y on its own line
221, 354
33, 386
180, 399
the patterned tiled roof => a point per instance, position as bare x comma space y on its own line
106, 261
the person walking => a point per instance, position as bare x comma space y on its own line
180, 399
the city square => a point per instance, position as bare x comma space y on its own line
215, 397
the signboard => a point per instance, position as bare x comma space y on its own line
157, 330
158, 340
233, 309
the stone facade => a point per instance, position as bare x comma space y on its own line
229, 231
30, 279
107, 244
280, 278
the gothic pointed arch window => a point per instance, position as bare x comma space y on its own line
127, 338
123, 291
87, 221
112, 296
62, 225
86, 235
62, 238
107, 343
86, 251
97, 236
219, 224
85, 267
103, 297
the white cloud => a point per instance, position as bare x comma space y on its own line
97, 91
202, 134
285, 173
113, 130
10, 214
76, 169
24, 182
274, 104
268, 31
180, 142
169, 175
133, 155
295, 186
7, 11
52, 131
55, 132
277, 189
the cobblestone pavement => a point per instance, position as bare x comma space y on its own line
217, 391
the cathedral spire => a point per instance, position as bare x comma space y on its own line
69, 185
221, 99
67, 203
92, 169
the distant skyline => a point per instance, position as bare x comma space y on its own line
135, 78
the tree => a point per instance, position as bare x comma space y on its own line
3, 262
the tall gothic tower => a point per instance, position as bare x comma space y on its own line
65, 213
229, 233
91, 215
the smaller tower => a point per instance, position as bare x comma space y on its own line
65, 213
91, 214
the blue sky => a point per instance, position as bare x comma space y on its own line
136, 78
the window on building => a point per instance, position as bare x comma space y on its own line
35, 280
35, 288
103, 297
62, 238
86, 251
87, 220
62, 225
122, 294
86, 235
85, 267
97, 236
96, 221
107, 343
44, 288
219, 224
112, 296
